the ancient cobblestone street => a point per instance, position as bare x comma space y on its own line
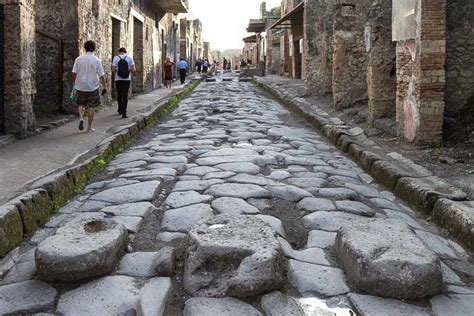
232, 205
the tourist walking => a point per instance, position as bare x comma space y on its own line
224, 65
205, 65
123, 66
199, 65
183, 68
87, 75
168, 72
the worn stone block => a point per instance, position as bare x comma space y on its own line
11, 228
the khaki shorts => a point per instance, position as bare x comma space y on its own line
88, 99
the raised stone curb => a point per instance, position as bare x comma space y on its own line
409, 181
49, 193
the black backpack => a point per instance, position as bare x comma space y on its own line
123, 69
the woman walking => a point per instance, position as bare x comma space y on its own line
168, 72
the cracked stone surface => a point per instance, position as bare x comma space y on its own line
233, 255
228, 148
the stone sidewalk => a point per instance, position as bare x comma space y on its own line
417, 185
24, 161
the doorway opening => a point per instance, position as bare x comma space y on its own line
298, 59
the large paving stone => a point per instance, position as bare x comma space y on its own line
139, 192
330, 221
154, 296
233, 255
238, 190
289, 193
321, 239
311, 204
26, 297
356, 208
195, 185
200, 306
452, 305
278, 304
112, 295
184, 218
147, 264
313, 279
385, 258
80, 250
233, 206
140, 209
185, 198
240, 167
230, 152
367, 305
311, 255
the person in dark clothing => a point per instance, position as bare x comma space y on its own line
124, 67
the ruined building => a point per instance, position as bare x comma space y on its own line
191, 44
41, 39
409, 62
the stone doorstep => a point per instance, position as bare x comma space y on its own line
62, 185
388, 171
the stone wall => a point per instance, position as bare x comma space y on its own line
273, 52
19, 59
459, 111
349, 70
318, 40
381, 71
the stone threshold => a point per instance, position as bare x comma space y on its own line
436, 199
22, 216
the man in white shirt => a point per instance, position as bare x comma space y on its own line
88, 74
124, 66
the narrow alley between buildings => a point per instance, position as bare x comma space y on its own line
232, 205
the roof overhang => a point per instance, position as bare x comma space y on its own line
293, 18
250, 39
257, 26
173, 6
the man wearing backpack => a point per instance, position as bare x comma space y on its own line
124, 66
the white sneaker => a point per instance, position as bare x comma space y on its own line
91, 130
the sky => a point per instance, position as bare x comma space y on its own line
225, 21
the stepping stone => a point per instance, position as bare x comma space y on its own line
81, 250
140, 209
244, 246
354, 207
233, 206
139, 192
200, 306
240, 167
26, 298
154, 297
367, 305
452, 305
321, 239
185, 198
112, 295
394, 265
311, 255
184, 218
312, 204
289, 193
278, 304
238, 190
311, 279
330, 221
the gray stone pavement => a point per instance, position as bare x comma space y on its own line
23, 161
230, 149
